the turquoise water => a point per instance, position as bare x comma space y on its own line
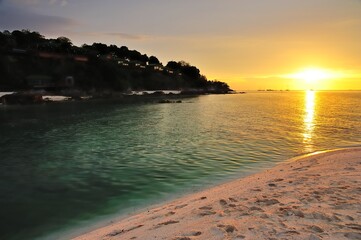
67, 165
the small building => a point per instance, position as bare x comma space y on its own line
67, 82
156, 67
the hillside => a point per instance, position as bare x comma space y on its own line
30, 61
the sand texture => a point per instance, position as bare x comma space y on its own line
315, 197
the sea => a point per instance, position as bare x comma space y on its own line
68, 167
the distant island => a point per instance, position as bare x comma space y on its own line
30, 62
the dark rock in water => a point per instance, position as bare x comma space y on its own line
193, 92
75, 98
157, 93
21, 98
169, 101
164, 101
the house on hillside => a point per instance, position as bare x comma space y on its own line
67, 82
123, 62
156, 67
137, 64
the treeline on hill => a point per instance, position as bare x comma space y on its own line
29, 60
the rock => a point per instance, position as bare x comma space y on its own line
164, 101
316, 229
230, 229
313, 237
21, 98
353, 235
268, 202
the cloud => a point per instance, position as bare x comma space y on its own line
61, 2
25, 2
126, 36
37, 2
16, 18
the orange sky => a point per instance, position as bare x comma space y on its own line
250, 44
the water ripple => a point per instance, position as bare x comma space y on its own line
71, 163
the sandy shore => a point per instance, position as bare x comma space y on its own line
314, 197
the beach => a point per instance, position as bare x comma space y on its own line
311, 197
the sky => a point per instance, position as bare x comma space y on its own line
250, 44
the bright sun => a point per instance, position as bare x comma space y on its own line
318, 78
311, 75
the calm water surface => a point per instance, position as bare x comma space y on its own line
63, 166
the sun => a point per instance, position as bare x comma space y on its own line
319, 78
312, 75
314, 78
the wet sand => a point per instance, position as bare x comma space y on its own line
312, 197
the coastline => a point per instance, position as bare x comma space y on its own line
41, 97
310, 197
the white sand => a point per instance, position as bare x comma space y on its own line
315, 197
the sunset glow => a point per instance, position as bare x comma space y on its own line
250, 45
311, 75
320, 79
309, 116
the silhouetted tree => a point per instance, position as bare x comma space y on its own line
113, 48
94, 72
173, 65
26, 39
153, 60
3, 40
144, 58
101, 48
191, 72
64, 44
134, 55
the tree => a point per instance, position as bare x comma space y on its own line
122, 52
134, 55
3, 39
64, 44
94, 72
153, 60
101, 48
144, 58
173, 65
113, 48
191, 72
26, 39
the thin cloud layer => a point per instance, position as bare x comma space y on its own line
62, 2
126, 36
226, 39
36, 2
14, 18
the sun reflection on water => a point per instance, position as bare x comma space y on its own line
309, 118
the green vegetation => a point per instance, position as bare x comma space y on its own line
30, 61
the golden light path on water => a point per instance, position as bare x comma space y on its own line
309, 118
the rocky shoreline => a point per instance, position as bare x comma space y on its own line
41, 97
